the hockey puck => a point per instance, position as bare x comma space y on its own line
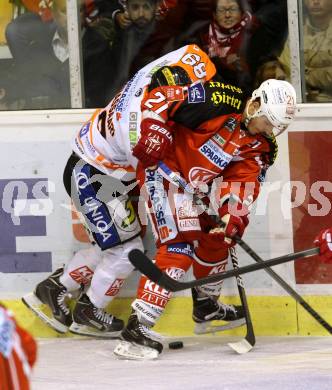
175, 345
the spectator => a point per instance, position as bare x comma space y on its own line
270, 68
173, 19
269, 39
120, 14
317, 40
8, 99
41, 55
103, 14
127, 42
226, 39
42, 8
241, 35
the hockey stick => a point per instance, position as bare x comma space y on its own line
149, 269
285, 285
249, 341
178, 180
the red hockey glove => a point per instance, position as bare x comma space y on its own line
234, 225
155, 139
324, 242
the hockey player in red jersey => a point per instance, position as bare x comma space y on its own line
212, 137
17, 353
324, 243
99, 176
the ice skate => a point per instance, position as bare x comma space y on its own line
89, 320
53, 294
207, 309
138, 341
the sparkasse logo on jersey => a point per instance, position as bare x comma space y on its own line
215, 154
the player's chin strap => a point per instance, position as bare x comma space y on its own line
277, 129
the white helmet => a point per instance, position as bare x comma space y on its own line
277, 103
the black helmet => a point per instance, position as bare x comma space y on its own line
169, 75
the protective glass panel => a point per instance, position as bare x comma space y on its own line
118, 37
38, 76
317, 43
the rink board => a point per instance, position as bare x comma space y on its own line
272, 316
40, 232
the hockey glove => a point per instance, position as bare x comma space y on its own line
233, 225
324, 242
155, 139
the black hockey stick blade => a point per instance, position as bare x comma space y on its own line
141, 262
245, 345
149, 269
286, 286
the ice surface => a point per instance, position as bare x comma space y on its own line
205, 363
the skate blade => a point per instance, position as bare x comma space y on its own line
129, 351
241, 347
84, 330
207, 327
35, 305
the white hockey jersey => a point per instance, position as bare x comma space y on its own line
106, 140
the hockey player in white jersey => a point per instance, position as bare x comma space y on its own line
98, 177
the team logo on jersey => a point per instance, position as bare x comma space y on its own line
243, 134
183, 249
133, 128
254, 144
230, 87
164, 219
85, 129
230, 124
82, 275
173, 93
123, 99
199, 175
77, 144
124, 216
215, 154
262, 175
7, 331
221, 97
196, 93
139, 92
115, 287
175, 273
133, 116
186, 213
218, 139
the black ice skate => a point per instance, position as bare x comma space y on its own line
138, 341
89, 320
52, 293
206, 310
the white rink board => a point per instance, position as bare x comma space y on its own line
35, 145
